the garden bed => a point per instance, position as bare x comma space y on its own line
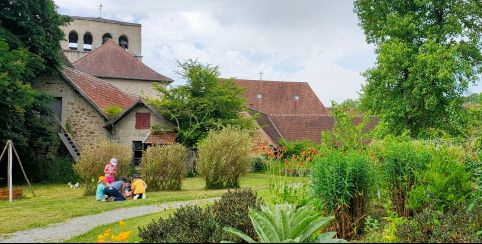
17, 193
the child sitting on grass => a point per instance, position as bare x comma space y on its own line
138, 187
99, 193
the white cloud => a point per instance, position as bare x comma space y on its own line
309, 40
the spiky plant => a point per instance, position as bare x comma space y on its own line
284, 223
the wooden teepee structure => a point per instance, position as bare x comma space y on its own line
11, 149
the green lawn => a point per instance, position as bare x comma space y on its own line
56, 203
130, 225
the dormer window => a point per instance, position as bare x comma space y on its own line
73, 40
259, 96
297, 98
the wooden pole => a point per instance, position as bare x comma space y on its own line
4, 150
10, 182
23, 171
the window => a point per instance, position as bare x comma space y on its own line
143, 121
123, 42
87, 41
138, 149
297, 98
73, 40
259, 96
106, 37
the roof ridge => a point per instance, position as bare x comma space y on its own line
93, 51
276, 81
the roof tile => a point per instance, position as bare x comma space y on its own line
100, 92
112, 61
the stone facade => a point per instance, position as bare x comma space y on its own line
125, 132
97, 27
84, 122
136, 87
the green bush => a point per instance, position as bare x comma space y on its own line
259, 164
400, 160
190, 224
60, 170
342, 182
94, 158
197, 225
164, 167
445, 182
232, 211
224, 156
113, 111
457, 225
284, 223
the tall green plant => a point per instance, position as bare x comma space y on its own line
446, 181
285, 223
343, 183
400, 160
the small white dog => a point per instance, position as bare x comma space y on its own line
76, 186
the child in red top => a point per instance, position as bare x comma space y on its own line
110, 170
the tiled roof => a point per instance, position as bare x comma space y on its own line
112, 61
302, 127
165, 138
99, 92
278, 97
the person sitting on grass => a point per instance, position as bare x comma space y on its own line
127, 189
115, 190
138, 187
99, 193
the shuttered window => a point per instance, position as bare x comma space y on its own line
143, 120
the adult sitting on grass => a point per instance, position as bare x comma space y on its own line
115, 189
138, 187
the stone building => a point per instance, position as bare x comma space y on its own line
103, 70
85, 34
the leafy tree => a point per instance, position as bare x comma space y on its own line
428, 54
203, 104
29, 47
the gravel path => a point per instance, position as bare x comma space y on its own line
73, 227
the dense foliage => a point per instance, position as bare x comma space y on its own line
284, 223
203, 104
197, 225
428, 53
164, 167
400, 161
224, 156
457, 225
29, 47
445, 182
94, 158
343, 183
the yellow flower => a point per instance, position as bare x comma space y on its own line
122, 223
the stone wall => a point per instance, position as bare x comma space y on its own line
85, 122
125, 131
136, 87
97, 28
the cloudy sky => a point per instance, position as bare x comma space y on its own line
318, 41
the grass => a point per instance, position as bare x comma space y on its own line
56, 203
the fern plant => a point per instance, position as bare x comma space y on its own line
284, 223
